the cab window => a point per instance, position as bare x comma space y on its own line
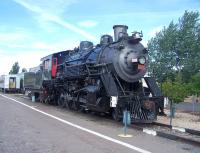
47, 64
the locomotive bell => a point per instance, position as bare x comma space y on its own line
120, 31
137, 35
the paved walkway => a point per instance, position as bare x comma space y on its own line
27, 127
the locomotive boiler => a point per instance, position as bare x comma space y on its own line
107, 78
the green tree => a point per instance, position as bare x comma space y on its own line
194, 86
176, 48
24, 70
174, 55
176, 90
188, 49
15, 68
161, 50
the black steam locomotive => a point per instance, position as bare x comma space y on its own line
107, 78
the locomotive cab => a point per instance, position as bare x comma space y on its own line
52, 64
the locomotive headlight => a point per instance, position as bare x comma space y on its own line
142, 60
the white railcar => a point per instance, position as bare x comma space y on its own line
10, 83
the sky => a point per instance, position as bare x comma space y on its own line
32, 29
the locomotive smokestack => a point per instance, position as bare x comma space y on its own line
120, 31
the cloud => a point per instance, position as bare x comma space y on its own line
1, 51
48, 11
45, 6
39, 45
87, 24
155, 30
55, 47
32, 53
29, 55
12, 36
73, 28
23, 59
144, 42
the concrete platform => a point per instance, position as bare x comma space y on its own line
27, 127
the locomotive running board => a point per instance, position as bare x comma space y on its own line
109, 84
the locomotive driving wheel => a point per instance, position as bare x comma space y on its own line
76, 104
47, 100
69, 104
116, 114
62, 101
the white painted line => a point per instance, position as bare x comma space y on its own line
152, 132
178, 129
82, 128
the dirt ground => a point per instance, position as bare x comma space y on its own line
182, 119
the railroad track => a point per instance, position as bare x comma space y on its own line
185, 135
